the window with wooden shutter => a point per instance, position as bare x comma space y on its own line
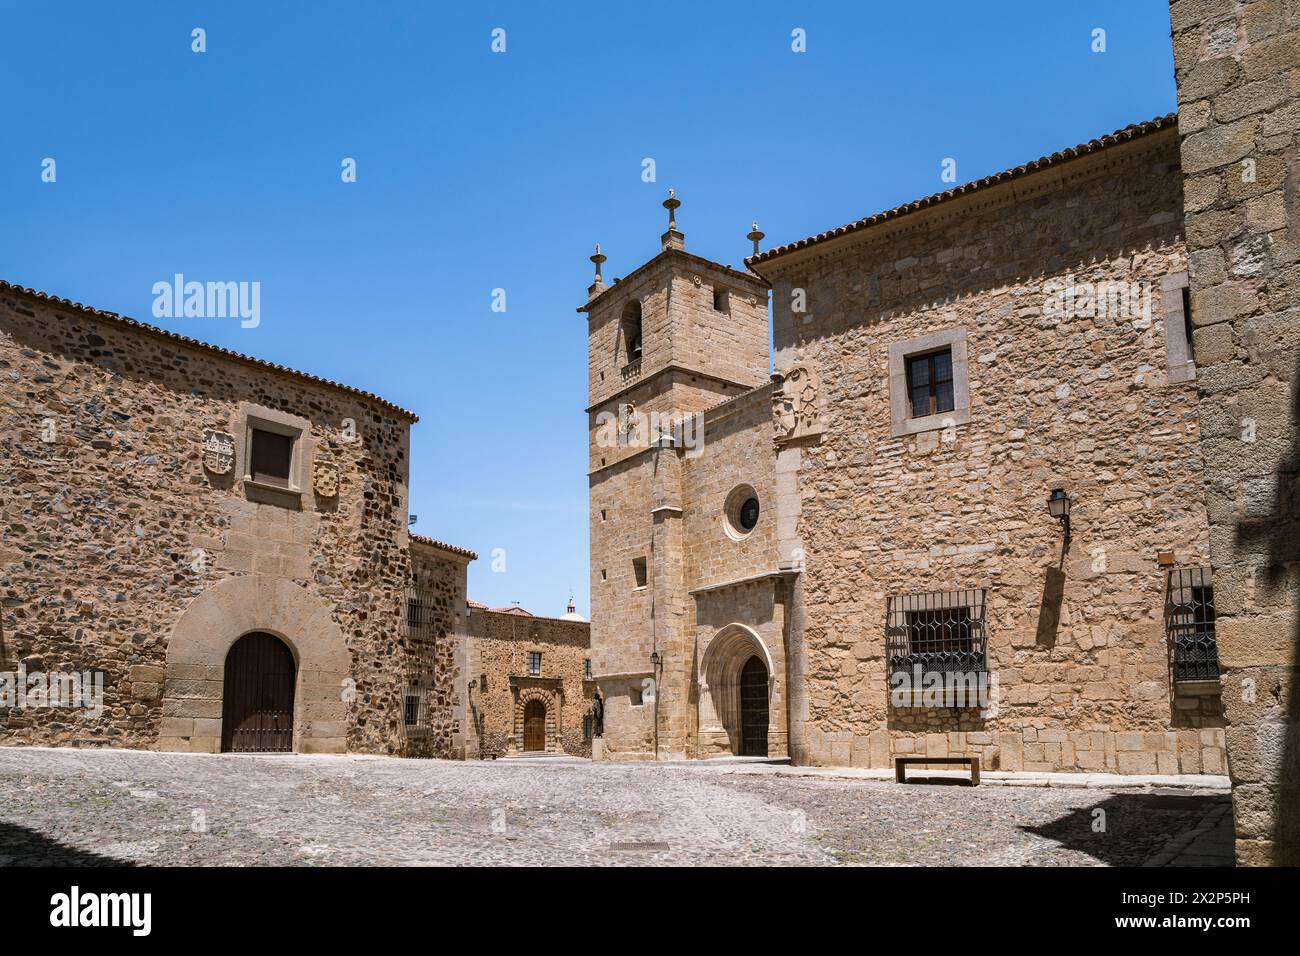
272, 457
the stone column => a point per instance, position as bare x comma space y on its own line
1238, 72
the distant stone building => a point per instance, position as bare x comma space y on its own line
217, 543
531, 689
854, 557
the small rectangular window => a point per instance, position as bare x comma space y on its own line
534, 662
411, 710
272, 457
721, 300
586, 728
634, 696
586, 669
639, 571
930, 384
1176, 302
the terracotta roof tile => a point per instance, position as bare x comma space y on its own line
153, 330
1130, 132
443, 546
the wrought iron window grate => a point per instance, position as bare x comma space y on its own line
940, 632
421, 668
1189, 622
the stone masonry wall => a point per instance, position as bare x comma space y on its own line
1080, 402
1238, 72
436, 637
501, 642
737, 451
110, 526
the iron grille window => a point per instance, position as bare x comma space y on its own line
929, 383
421, 610
586, 669
422, 668
534, 662
941, 632
1189, 621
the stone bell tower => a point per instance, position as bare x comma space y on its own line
677, 335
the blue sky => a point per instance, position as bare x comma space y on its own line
478, 170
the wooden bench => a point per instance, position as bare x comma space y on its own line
900, 765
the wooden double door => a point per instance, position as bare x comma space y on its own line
534, 726
257, 699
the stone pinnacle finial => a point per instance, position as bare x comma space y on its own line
671, 204
598, 286
672, 239
755, 236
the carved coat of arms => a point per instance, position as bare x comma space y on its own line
218, 452
796, 405
325, 479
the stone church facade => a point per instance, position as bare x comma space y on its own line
784, 573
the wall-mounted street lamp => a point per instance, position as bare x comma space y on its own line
657, 663
1058, 506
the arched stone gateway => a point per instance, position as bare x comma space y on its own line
536, 726
728, 701
197, 651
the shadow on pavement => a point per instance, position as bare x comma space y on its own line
20, 846
1133, 826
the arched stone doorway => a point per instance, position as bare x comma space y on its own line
735, 692
257, 697
197, 650
753, 709
534, 726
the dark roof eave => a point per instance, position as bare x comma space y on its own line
1127, 134
443, 546
152, 330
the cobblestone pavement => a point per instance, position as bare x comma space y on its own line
113, 807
